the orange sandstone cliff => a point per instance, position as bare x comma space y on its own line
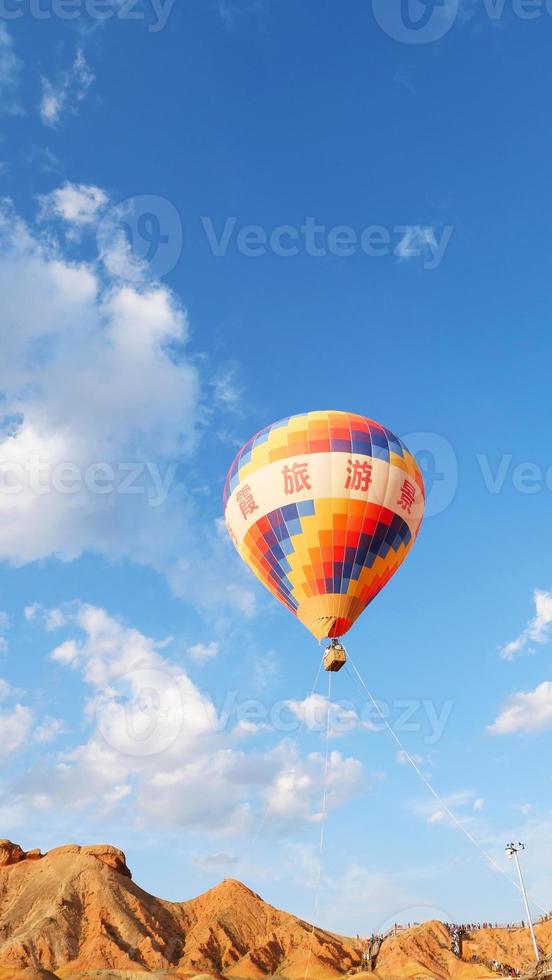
76, 913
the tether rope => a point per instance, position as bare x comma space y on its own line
322, 827
444, 806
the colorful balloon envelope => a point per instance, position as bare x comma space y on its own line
324, 508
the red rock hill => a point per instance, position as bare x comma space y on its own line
75, 911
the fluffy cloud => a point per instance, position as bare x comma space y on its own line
50, 619
91, 391
201, 652
61, 95
214, 861
100, 415
295, 790
19, 727
536, 631
48, 730
4, 626
10, 72
418, 241
76, 204
15, 726
528, 712
156, 738
16, 722
435, 813
317, 715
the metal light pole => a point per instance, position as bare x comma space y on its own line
512, 852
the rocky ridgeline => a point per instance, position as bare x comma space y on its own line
111, 856
74, 913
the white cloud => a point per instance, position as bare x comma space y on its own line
436, 813
16, 722
4, 626
313, 713
10, 73
61, 95
18, 726
15, 727
105, 390
100, 400
78, 205
295, 793
5, 690
478, 804
201, 652
156, 736
215, 861
245, 728
266, 670
536, 631
416, 241
48, 730
66, 653
54, 620
528, 712
49, 619
226, 389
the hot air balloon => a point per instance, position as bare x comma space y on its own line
324, 508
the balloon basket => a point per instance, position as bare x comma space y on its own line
335, 657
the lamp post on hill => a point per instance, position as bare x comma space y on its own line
512, 852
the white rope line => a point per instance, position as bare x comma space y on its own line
458, 823
322, 826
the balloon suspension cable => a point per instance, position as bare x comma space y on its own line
444, 807
323, 814
293, 745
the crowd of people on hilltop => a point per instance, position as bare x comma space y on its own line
371, 951
477, 926
457, 932
466, 927
504, 969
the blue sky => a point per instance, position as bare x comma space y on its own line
216, 215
